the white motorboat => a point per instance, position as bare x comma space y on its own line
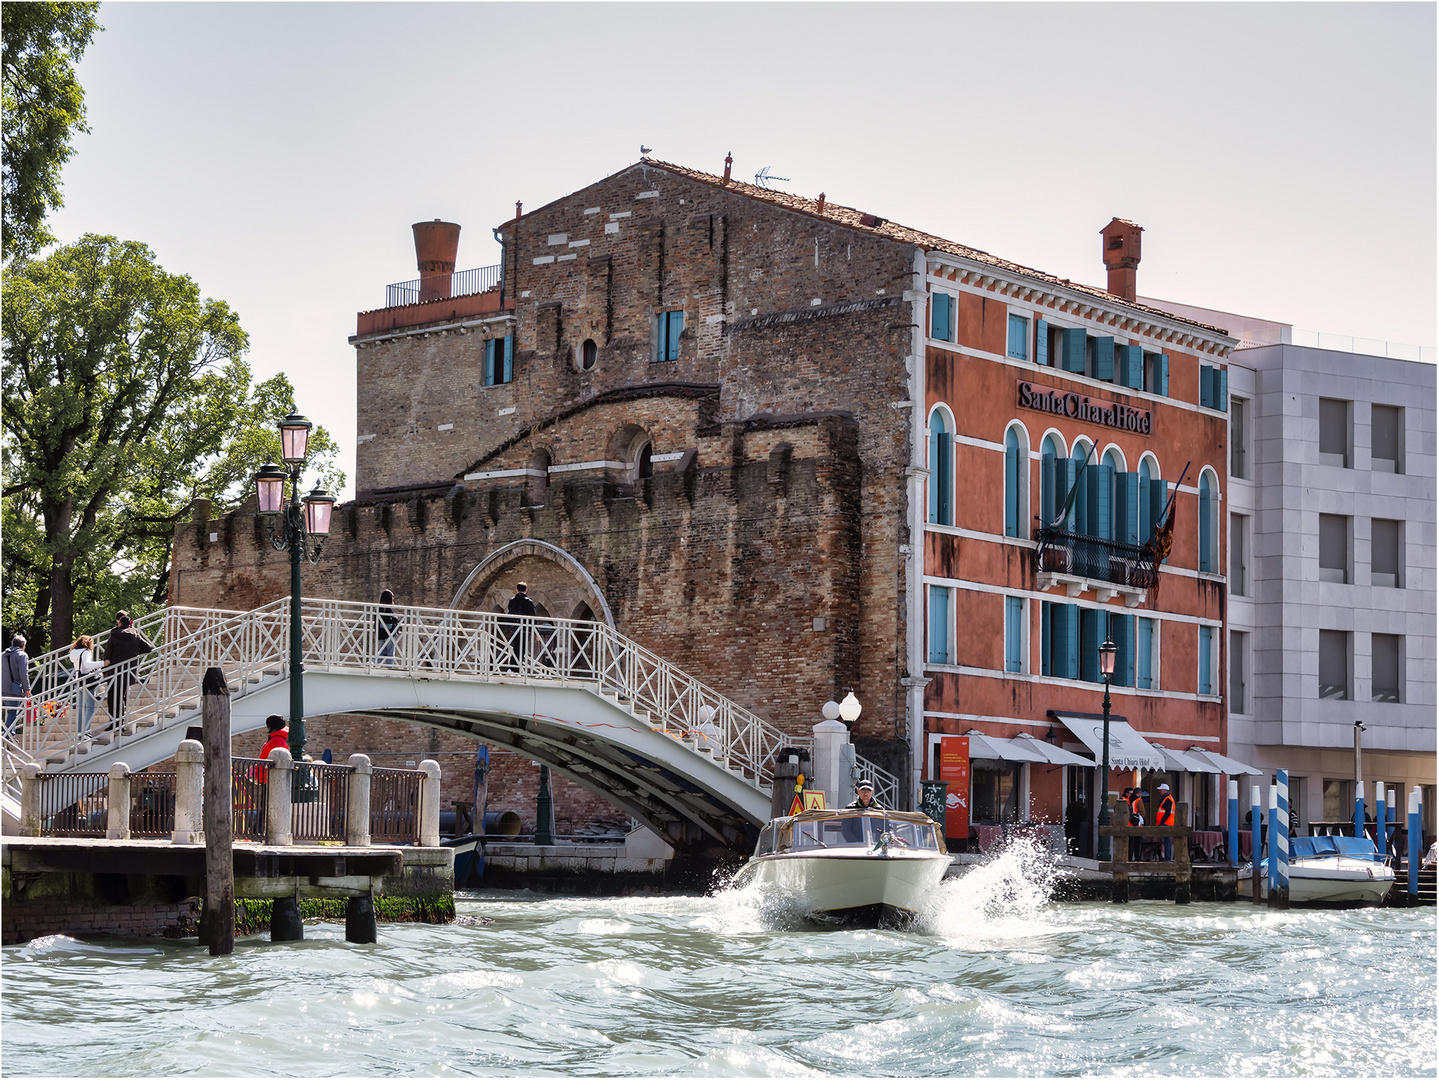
1339, 870
864, 867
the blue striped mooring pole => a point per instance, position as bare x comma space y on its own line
1379, 816
1256, 826
1234, 823
1279, 840
1414, 841
1391, 794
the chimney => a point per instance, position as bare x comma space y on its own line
728, 161
820, 208
1121, 256
436, 243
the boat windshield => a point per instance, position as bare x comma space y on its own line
861, 831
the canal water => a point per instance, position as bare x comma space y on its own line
997, 981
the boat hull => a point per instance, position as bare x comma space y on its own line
850, 889
1340, 882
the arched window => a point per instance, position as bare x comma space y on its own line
1153, 494
644, 463
1016, 481
941, 469
1116, 485
1052, 474
1086, 480
1208, 513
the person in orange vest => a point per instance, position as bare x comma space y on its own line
1165, 816
1136, 817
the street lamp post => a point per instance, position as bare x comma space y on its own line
1106, 668
298, 525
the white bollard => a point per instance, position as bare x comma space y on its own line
117, 811
189, 793
357, 811
830, 739
279, 823
29, 799
430, 804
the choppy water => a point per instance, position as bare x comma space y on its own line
998, 982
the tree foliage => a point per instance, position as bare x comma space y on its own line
126, 397
43, 106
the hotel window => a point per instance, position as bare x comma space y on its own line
1239, 438
1388, 661
1057, 473
669, 325
1386, 443
1238, 666
1018, 347
1334, 665
1213, 387
941, 316
1386, 548
1129, 363
1208, 534
1073, 349
1207, 657
1153, 495
1156, 373
939, 645
1059, 640
1101, 358
1333, 548
1238, 555
941, 470
1146, 676
1016, 481
1014, 633
499, 360
1334, 433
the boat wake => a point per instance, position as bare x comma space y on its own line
1004, 896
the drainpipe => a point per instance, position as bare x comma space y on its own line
915, 476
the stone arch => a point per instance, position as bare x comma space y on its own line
558, 583
627, 448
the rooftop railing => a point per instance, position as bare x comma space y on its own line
443, 286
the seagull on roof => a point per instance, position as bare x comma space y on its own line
644, 150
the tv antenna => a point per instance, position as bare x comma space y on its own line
763, 178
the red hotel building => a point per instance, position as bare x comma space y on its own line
1027, 377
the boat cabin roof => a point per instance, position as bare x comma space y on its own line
914, 816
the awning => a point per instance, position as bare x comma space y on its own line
1226, 765
1183, 761
990, 748
1127, 749
1055, 755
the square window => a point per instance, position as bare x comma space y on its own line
1018, 338
1386, 439
1388, 660
1334, 433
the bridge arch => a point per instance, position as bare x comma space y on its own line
558, 582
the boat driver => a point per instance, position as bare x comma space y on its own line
864, 798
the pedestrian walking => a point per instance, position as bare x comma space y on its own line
86, 677
16, 688
122, 653
519, 632
387, 622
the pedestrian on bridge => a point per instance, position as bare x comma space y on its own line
87, 674
17, 682
387, 622
122, 658
520, 604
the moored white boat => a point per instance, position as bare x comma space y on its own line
867, 867
1330, 870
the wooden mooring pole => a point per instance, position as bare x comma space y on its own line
219, 915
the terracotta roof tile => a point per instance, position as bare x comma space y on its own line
879, 226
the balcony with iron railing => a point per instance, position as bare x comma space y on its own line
1080, 562
443, 297
443, 286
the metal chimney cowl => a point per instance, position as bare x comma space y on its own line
436, 245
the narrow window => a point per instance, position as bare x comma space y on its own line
1334, 433
1018, 338
939, 625
499, 360
670, 325
1208, 541
1333, 548
1334, 665
941, 319
1238, 438
1385, 548
1238, 555
941, 470
1014, 633
1156, 373
1016, 469
1388, 661
1206, 660
1386, 426
1144, 666
1238, 659
644, 462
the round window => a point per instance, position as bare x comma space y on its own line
587, 354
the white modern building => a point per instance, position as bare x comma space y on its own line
1331, 529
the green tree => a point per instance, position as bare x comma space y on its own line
126, 397
43, 107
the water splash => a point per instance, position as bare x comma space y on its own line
1007, 895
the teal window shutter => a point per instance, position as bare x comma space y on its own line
1103, 358
1091, 633
1221, 389
1158, 496
1069, 615
1206, 386
509, 358
1131, 372
1126, 508
489, 365
1144, 650
1164, 374
939, 318
1074, 349
938, 624
1121, 632
1013, 613
1099, 505
1041, 342
677, 325
1018, 337
1206, 645
1013, 517
1046, 616
946, 478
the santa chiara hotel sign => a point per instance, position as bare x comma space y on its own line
1046, 399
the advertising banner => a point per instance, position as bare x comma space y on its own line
954, 767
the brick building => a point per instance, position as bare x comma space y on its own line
766, 436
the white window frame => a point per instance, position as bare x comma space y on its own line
935, 290
1029, 343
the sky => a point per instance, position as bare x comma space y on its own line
1280, 157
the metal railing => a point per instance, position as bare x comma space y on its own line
1095, 558
252, 648
152, 804
395, 805
83, 800
886, 784
248, 778
322, 796
433, 286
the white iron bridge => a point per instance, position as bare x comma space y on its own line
595, 706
